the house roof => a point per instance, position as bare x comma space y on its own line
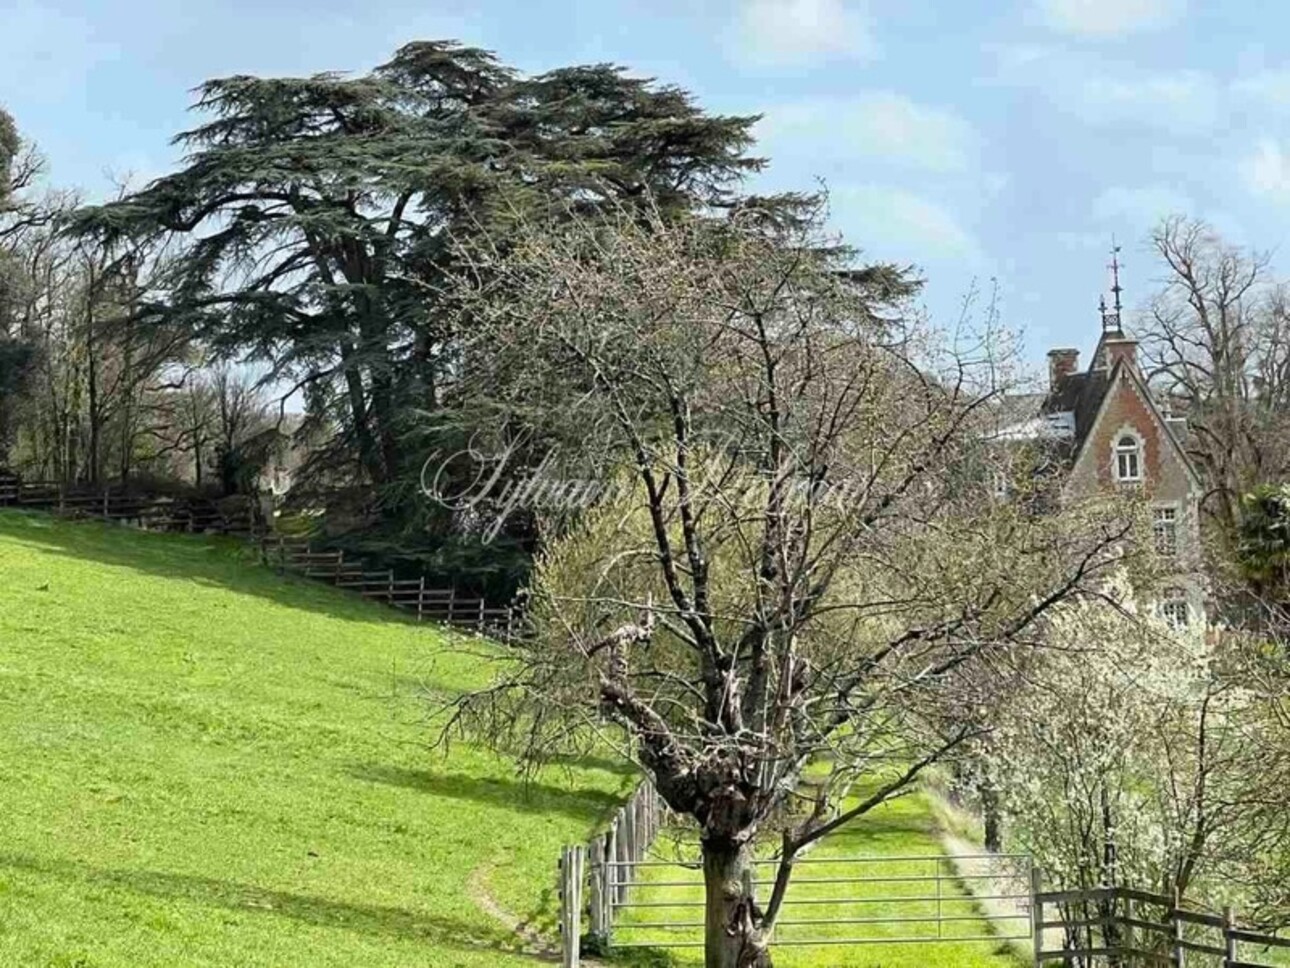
1069, 411
1079, 394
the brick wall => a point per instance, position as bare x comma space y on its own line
1166, 477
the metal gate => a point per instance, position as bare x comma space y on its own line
832, 900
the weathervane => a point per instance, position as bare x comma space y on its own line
1111, 320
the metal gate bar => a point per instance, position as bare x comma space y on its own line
1010, 869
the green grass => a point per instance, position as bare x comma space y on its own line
207, 764
901, 828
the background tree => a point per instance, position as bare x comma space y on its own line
795, 567
317, 213
17, 168
1217, 342
97, 361
245, 434
9, 147
1138, 755
1264, 545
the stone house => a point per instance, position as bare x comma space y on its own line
1109, 432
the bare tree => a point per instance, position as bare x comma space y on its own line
1217, 341
1143, 756
243, 426
100, 357
796, 563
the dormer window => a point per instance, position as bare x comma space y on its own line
1128, 458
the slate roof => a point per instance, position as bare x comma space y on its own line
1081, 394
1024, 415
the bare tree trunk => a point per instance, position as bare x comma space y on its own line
368, 450
991, 815
92, 385
732, 938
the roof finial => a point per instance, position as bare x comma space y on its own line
1111, 318
1115, 274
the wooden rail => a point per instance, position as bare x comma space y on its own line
444, 605
1144, 929
154, 512
147, 511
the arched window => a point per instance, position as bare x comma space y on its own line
1128, 458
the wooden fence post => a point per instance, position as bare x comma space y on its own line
571, 868
1128, 935
421, 597
1230, 943
614, 855
1037, 912
610, 885
625, 871
596, 890
1179, 953
567, 946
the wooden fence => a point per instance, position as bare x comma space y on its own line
596, 878
153, 512
159, 512
444, 605
1143, 929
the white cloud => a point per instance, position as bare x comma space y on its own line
1108, 93
878, 125
1179, 101
1108, 18
1267, 171
1269, 88
786, 32
892, 223
1137, 210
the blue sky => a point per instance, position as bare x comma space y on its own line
999, 140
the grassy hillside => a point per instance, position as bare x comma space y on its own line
204, 763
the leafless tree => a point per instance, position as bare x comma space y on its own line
800, 557
99, 360
1217, 342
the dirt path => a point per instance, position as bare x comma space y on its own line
532, 942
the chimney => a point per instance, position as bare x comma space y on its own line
1061, 363
1120, 348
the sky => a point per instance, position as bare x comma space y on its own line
998, 145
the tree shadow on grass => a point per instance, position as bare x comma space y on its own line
871, 833
209, 561
528, 796
369, 919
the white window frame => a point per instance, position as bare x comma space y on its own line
1122, 455
1165, 521
1174, 608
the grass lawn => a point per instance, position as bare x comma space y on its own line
205, 763
902, 828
